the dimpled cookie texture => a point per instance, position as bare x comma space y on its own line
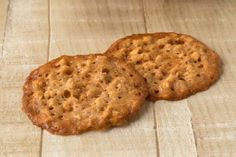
74, 94
174, 65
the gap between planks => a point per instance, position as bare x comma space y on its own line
192, 127
5, 28
154, 112
49, 30
48, 54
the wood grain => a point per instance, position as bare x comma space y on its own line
25, 46
78, 29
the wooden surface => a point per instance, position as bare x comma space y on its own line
35, 31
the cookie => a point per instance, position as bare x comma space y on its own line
74, 94
175, 66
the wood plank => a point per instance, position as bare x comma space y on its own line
26, 33
174, 129
213, 111
79, 29
25, 47
19, 139
91, 26
14, 75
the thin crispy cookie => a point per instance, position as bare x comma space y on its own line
70, 95
174, 65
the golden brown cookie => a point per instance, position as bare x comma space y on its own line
73, 94
174, 65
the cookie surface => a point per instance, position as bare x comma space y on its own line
174, 65
74, 94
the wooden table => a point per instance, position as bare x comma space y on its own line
35, 31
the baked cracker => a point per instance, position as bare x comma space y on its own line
175, 66
74, 94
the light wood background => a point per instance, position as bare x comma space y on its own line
35, 31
